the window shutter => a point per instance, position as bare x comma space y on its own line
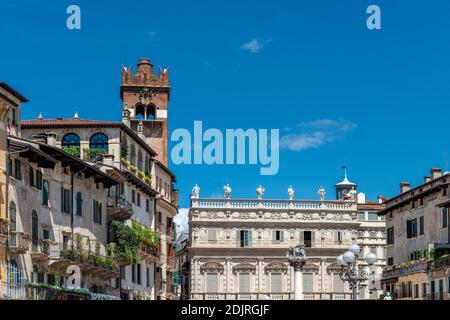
62, 199
302, 237
238, 238
70, 201
336, 236
313, 238
338, 284
244, 282
94, 212
276, 282
307, 282
274, 235
212, 283
249, 238
408, 228
100, 214
282, 235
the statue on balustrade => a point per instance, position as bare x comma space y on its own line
195, 191
291, 193
227, 191
321, 192
260, 192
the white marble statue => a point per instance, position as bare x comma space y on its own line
351, 195
321, 192
195, 191
227, 191
260, 192
291, 193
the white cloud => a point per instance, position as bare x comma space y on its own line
253, 45
181, 220
315, 134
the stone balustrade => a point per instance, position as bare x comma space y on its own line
274, 204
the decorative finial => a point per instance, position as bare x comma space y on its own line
75, 116
345, 172
40, 117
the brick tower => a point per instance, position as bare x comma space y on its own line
145, 98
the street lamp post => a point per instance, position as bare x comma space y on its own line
350, 270
297, 259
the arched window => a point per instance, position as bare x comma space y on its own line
99, 142
71, 140
45, 192
12, 216
140, 112
34, 230
151, 112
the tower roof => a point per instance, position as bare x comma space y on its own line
345, 182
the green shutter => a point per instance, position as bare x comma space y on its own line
100, 216
62, 199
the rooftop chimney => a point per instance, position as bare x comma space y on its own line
435, 173
404, 187
51, 138
381, 199
426, 179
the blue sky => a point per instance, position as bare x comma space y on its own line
377, 101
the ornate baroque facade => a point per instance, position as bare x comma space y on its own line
238, 247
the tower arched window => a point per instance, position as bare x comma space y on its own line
71, 140
99, 142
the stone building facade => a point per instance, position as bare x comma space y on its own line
238, 247
418, 245
10, 101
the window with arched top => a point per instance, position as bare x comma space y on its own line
12, 216
71, 140
99, 142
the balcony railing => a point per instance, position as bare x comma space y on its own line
438, 296
119, 209
270, 296
274, 204
395, 271
260, 243
45, 249
19, 242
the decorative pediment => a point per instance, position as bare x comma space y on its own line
276, 267
212, 267
311, 267
244, 267
332, 268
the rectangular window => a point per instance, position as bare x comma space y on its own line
212, 282
416, 290
338, 236
276, 283
373, 216
45, 234
361, 216
38, 180
308, 282
17, 169
133, 196
278, 235
338, 284
411, 228
138, 199
212, 235
244, 282
138, 273
96, 212
65, 241
390, 261
244, 238
444, 217
65, 200
390, 235
133, 273
147, 205
148, 277
79, 205
31, 176
307, 238
421, 225
424, 289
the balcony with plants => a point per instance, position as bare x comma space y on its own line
133, 243
119, 208
87, 255
145, 176
91, 154
72, 150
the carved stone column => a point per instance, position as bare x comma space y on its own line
297, 259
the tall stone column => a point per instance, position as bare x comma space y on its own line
297, 259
